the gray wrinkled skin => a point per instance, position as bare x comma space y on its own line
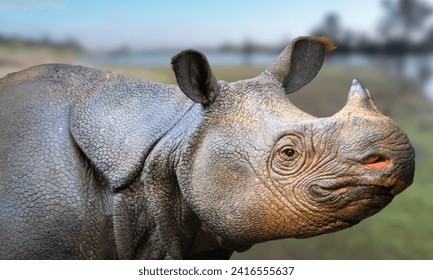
95, 165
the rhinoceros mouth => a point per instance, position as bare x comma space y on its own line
353, 192
352, 203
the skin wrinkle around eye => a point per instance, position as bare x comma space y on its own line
279, 163
302, 203
318, 159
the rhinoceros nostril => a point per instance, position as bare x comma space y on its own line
375, 162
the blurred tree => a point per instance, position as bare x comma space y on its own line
403, 28
331, 27
247, 50
404, 22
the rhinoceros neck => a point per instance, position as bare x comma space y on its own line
169, 221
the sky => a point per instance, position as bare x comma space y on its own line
187, 23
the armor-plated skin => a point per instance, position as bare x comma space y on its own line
95, 165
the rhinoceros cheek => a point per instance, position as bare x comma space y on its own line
359, 204
309, 217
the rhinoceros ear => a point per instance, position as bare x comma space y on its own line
300, 61
194, 76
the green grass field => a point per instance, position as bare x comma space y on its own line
404, 229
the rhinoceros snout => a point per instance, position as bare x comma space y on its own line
384, 156
394, 173
404, 170
374, 143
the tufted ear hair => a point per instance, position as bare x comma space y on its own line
300, 62
194, 76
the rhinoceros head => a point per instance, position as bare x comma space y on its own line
258, 168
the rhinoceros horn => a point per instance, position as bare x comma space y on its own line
359, 101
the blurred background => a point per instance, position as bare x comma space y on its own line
387, 44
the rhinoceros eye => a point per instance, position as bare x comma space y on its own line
289, 152
288, 155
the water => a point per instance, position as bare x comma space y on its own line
156, 59
164, 59
417, 68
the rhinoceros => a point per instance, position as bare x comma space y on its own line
96, 165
